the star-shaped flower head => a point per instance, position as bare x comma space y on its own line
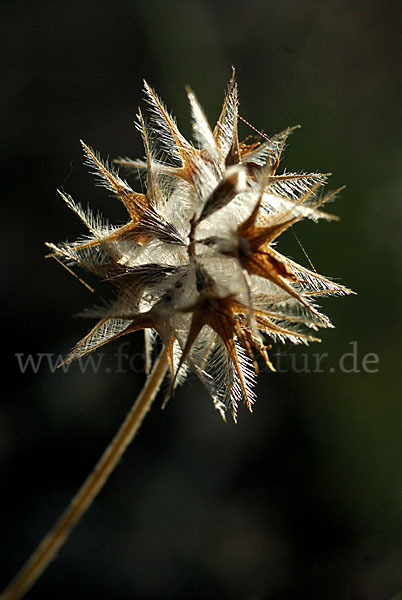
196, 261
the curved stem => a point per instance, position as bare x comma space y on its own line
53, 541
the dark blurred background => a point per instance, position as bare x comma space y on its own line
301, 499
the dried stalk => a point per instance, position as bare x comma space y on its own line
53, 541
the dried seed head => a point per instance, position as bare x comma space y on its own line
195, 261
